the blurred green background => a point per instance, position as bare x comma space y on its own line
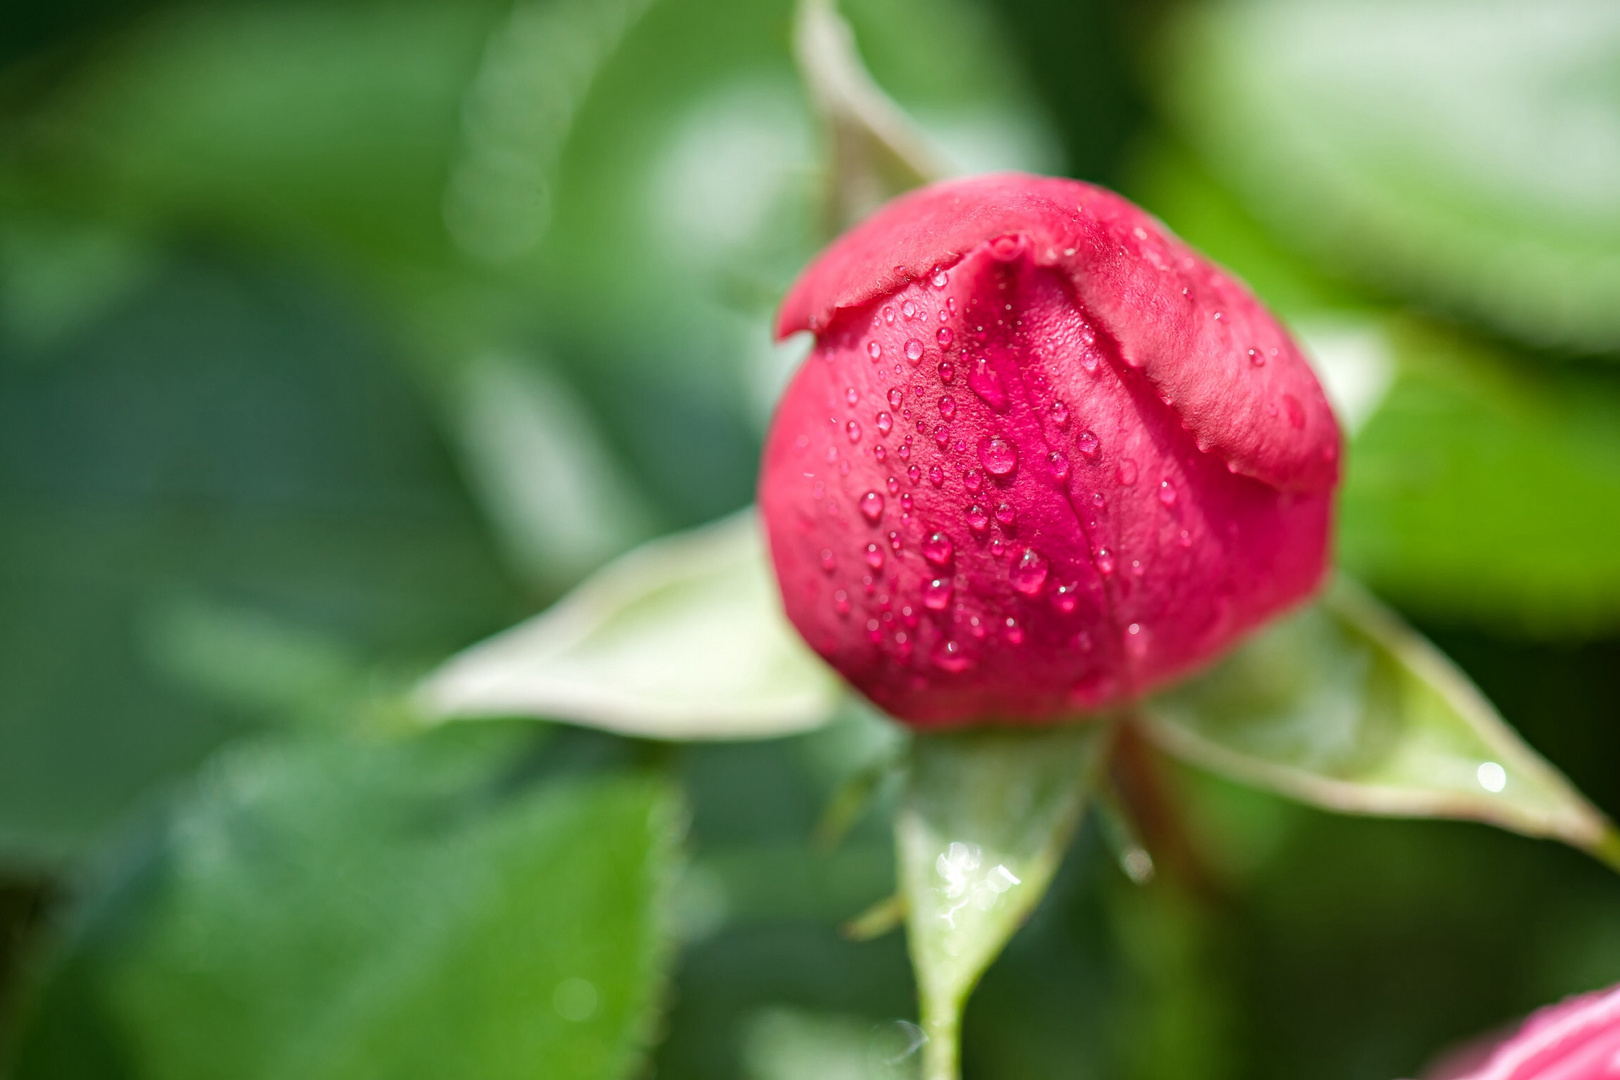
338, 334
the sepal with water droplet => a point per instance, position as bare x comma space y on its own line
683, 638
985, 820
1343, 706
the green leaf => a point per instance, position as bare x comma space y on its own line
986, 817
683, 638
1484, 487
1343, 707
335, 909
1461, 153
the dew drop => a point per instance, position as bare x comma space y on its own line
1136, 640
942, 436
977, 519
997, 547
851, 396
1060, 414
914, 350
1127, 472
938, 549
1105, 561
843, 468
893, 484
872, 506
909, 309
1186, 538
896, 396
941, 279
1097, 500
874, 556
853, 430
1028, 575
1167, 493
888, 315
937, 594
828, 562
947, 371
1136, 567
874, 350
885, 423
944, 336
841, 602
905, 502
1065, 597
947, 406
1015, 633
1257, 358
1006, 515
936, 476
973, 479
1058, 462
998, 456
950, 657
913, 473
1088, 444
894, 540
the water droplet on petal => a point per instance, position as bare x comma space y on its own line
1060, 414
872, 506
1028, 575
874, 350
1097, 500
947, 406
851, 396
1127, 472
914, 350
977, 519
874, 556
936, 476
1065, 597
937, 594
893, 485
1186, 538
973, 479
1257, 358
1015, 633
941, 279
1105, 561
942, 436
841, 602
950, 657
1006, 515
938, 549
888, 314
896, 396
944, 336
997, 548
1167, 493
894, 540
1058, 462
998, 456
880, 452
913, 473
853, 430
947, 371
1136, 641
909, 309
828, 562
905, 502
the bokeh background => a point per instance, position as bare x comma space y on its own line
338, 334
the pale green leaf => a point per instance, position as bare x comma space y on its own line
1458, 151
986, 817
681, 639
1342, 706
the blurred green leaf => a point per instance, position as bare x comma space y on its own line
1342, 706
220, 504
681, 639
985, 820
1487, 488
333, 909
1455, 151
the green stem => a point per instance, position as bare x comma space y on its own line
941, 1054
1607, 848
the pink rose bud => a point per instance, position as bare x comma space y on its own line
1043, 458
1577, 1039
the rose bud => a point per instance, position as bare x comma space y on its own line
1577, 1039
1043, 458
